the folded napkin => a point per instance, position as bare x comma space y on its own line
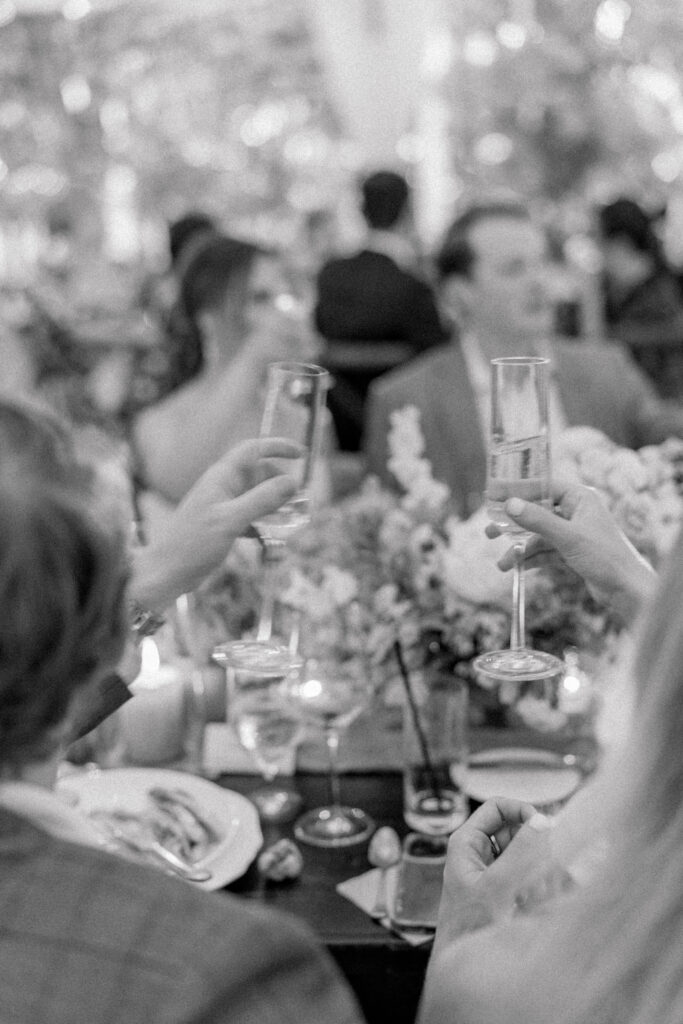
223, 753
362, 891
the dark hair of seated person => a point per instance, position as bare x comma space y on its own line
385, 195
456, 255
62, 595
625, 219
221, 263
184, 230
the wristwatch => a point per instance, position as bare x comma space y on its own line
143, 621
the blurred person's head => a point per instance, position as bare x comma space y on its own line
186, 231
492, 267
227, 287
632, 251
63, 571
385, 197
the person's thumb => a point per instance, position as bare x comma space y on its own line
526, 858
259, 501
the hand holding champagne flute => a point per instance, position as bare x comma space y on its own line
294, 403
518, 466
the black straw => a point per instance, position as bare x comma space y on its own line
422, 739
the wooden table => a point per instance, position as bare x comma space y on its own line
385, 972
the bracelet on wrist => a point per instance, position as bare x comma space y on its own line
143, 621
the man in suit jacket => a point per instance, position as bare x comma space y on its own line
491, 268
85, 936
375, 295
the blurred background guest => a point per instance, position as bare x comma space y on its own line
492, 266
160, 949
642, 299
235, 300
378, 294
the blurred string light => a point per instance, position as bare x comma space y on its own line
8, 12
76, 94
655, 82
511, 35
266, 122
667, 165
437, 55
493, 149
480, 49
611, 17
37, 179
74, 10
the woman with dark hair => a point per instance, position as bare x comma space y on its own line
86, 936
237, 305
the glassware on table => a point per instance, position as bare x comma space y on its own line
435, 751
264, 712
332, 694
518, 466
293, 408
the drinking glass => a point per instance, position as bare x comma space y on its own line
263, 710
332, 694
518, 466
294, 403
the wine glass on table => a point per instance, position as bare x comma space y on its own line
518, 467
293, 408
332, 695
263, 710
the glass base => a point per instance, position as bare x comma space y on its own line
519, 664
334, 826
276, 803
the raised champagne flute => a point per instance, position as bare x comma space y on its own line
293, 408
332, 694
518, 467
264, 713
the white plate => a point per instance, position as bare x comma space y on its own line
231, 814
538, 776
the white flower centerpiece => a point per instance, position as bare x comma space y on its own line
381, 567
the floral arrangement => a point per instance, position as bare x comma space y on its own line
381, 567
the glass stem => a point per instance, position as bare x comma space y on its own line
273, 552
332, 741
517, 629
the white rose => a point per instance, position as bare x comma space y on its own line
573, 441
627, 473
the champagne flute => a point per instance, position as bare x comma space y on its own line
518, 466
262, 708
294, 403
332, 694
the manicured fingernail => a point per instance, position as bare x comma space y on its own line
515, 506
539, 822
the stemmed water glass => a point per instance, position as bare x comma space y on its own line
264, 712
518, 466
332, 694
293, 408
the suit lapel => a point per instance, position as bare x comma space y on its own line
459, 439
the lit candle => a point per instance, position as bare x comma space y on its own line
153, 719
